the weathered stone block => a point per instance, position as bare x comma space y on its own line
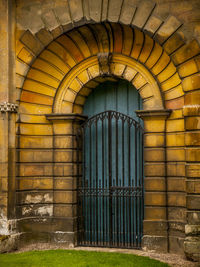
144, 10
175, 154
114, 10
35, 210
176, 199
28, 169
155, 213
189, 67
193, 217
176, 184
152, 24
191, 83
9, 243
36, 142
177, 214
154, 154
155, 198
76, 10
154, 125
167, 72
193, 170
176, 244
192, 123
35, 183
127, 12
39, 225
157, 228
171, 82
186, 52
65, 210
175, 140
34, 197
192, 248
157, 243
154, 184
154, 140
193, 186
168, 28
192, 230
95, 10
193, 202
175, 125
174, 42
29, 40
192, 154
154, 169
161, 64
176, 169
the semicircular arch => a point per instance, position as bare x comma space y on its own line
131, 49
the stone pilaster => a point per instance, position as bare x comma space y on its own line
7, 119
65, 174
155, 225
192, 145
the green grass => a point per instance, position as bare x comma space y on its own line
71, 258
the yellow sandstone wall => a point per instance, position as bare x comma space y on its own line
56, 69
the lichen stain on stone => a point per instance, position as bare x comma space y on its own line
38, 198
45, 210
41, 211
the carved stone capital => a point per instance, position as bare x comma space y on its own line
8, 107
104, 63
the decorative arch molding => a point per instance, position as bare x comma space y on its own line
144, 15
71, 91
133, 53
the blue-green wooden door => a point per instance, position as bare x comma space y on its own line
112, 182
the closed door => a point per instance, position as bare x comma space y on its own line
111, 185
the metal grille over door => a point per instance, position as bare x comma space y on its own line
110, 189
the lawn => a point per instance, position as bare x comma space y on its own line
58, 258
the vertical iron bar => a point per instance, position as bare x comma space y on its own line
136, 202
83, 186
96, 181
129, 181
103, 184
117, 197
110, 173
123, 179
90, 184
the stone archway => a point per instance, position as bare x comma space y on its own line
57, 84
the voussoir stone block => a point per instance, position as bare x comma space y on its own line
95, 10
143, 11
44, 36
30, 41
186, 52
76, 10
167, 29
128, 10
114, 10
152, 24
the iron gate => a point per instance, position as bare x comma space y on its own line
110, 187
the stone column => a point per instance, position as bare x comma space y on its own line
65, 175
155, 225
192, 145
7, 121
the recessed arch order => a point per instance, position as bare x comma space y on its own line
65, 66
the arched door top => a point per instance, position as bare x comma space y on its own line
65, 66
